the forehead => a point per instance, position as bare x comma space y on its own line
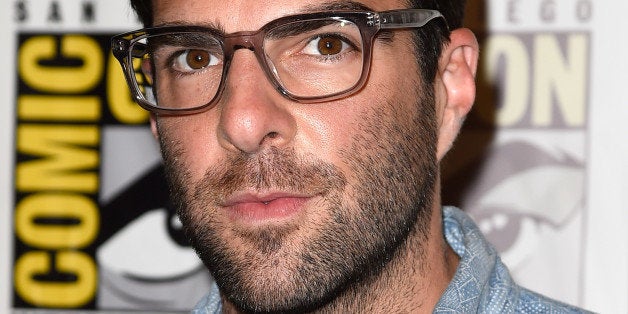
239, 15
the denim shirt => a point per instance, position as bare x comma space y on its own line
481, 284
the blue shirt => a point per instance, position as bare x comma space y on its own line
481, 284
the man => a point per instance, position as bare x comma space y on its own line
302, 142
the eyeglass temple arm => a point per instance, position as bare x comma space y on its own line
408, 18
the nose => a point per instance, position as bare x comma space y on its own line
253, 115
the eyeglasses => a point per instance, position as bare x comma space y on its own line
308, 58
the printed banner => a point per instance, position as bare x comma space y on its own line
85, 218
92, 224
519, 167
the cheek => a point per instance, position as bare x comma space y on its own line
362, 122
328, 129
189, 143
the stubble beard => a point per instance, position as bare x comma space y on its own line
305, 267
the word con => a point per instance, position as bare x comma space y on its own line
541, 79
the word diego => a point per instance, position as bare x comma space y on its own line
548, 11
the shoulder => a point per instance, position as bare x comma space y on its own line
482, 283
210, 303
532, 302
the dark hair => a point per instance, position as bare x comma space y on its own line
429, 39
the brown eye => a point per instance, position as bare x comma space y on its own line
197, 59
329, 45
192, 60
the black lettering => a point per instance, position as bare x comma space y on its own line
513, 17
548, 11
88, 12
21, 13
584, 10
54, 15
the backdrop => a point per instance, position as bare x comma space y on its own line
540, 164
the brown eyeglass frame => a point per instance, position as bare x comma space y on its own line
369, 24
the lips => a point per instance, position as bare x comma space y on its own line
267, 207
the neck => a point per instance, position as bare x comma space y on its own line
412, 282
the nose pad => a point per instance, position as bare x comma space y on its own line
273, 71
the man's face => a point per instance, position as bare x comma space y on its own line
289, 204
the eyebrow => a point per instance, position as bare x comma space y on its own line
344, 5
211, 25
298, 28
199, 40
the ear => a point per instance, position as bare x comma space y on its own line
153, 126
455, 86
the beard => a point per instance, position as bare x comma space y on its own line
360, 222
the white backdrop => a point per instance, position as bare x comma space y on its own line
541, 164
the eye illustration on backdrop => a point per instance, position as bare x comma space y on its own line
144, 258
526, 193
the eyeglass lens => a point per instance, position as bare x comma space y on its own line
313, 58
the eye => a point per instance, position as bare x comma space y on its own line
191, 60
327, 45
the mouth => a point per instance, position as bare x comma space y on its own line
260, 208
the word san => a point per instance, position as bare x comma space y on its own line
54, 11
